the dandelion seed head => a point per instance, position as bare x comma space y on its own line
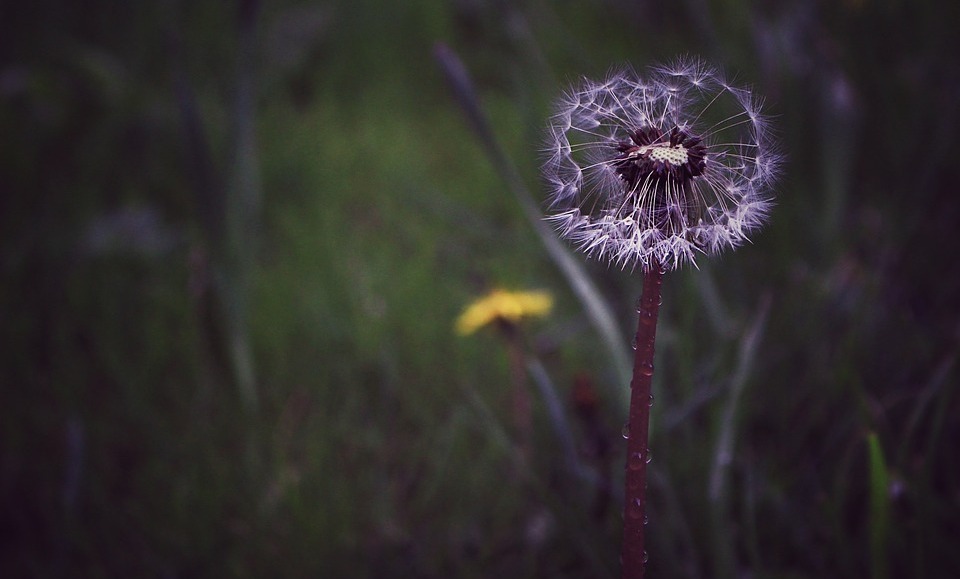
654, 170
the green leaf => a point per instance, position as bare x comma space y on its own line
879, 507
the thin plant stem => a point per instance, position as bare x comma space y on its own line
633, 557
522, 404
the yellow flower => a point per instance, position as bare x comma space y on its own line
503, 305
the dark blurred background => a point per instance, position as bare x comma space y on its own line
235, 237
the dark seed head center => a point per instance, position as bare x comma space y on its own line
653, 153
675, 155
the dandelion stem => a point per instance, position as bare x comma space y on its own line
522, 404
632, 555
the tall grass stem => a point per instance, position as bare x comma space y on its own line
718, 489
598, 310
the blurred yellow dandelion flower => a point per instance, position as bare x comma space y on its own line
502, 305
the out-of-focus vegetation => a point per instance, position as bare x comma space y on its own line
234, 240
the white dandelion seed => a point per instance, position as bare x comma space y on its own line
651, 171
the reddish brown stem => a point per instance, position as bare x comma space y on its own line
522, 403
633, 557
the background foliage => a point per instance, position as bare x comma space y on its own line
234, 239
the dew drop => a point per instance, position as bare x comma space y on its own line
646, 557
625, 431
633, 344
649, 456
636, 461
651, 400
634, 511
646, 369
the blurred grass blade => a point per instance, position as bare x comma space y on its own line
558, 417
723, 454
713, 304
569, 518
243, 206
879, 508
719, 485
932, 395
228, 206
598, 311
